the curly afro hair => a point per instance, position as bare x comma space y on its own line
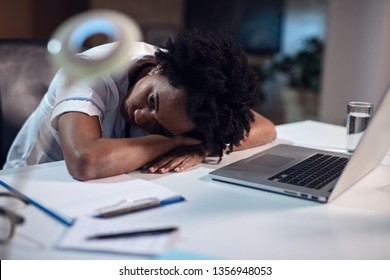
220, 85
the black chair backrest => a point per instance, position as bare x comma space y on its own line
25, 74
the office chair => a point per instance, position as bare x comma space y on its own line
25, 74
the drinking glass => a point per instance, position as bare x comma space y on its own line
358, 117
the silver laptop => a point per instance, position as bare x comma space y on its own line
310, 173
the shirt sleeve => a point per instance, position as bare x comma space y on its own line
89, 97
97, 96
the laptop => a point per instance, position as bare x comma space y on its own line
313, 174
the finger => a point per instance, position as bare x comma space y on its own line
155, 166
185, 164
171, 165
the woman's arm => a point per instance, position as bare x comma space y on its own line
262, 132
89, 156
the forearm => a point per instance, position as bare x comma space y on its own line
262, 132
89, 156
109, 157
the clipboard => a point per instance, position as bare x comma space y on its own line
54, 191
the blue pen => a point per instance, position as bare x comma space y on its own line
171, 200
123, 207
129, 206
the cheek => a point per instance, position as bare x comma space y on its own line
139, 94
134, 99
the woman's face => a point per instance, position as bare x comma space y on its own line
154, 105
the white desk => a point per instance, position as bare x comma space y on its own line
224, 221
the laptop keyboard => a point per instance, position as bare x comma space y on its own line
314, 172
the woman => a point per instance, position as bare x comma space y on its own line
169, 110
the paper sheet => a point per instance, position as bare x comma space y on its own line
56, 190
76, 237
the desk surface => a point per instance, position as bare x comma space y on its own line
224, 221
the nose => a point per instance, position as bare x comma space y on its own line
143, 118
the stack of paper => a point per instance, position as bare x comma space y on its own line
57, 193
74, 203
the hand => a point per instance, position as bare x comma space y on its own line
179, 159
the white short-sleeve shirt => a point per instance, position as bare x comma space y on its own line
38, 140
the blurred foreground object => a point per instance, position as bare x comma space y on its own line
70, 37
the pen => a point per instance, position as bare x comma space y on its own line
125, 206
134, 233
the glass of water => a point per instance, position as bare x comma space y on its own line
358, 118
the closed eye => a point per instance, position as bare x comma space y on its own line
152, 102
166, 132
